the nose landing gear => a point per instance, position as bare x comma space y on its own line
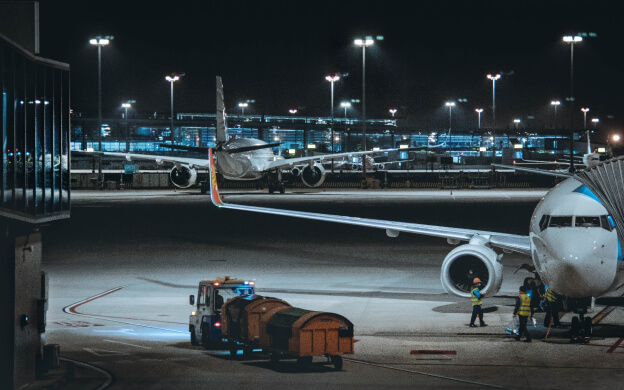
581, 327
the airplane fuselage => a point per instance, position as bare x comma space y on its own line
574, 247
248, 165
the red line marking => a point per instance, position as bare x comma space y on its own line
431, 352
73, 310
614, 346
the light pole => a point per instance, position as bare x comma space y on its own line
517, 123
479, 111
99, 42
364, 43
494, 78
127, 105
556, 103
572, 40
332, 79
450, 105
584, 117
242, 107
172, 79
595, 122
346, 105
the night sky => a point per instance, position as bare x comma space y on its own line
279, 52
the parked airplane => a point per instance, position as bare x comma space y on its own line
242, 158
572, 240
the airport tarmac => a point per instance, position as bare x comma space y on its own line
122, 268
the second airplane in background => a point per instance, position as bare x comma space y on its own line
242, 158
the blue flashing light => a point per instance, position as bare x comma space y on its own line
246, 282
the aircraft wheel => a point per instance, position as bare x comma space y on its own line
587, 327
282, 189
575, 328
271, 188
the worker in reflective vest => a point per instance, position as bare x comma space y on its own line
523, 310
552, 312
475, 297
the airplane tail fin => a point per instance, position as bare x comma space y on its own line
214, 189
222, 131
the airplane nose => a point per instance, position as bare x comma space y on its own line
580, 268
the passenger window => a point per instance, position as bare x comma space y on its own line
560, 221
587, 222
544, 222
605, 222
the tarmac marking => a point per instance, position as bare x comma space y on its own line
132, 345
616, 345
103, 352
76, 324
480, 384
71, 309
431, 352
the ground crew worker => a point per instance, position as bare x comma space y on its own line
218, 301
523, 310
552, 312
475, 297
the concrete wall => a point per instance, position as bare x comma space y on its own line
21, 279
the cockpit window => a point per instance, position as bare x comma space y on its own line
606, 222
544, 222
560, 221
587, 221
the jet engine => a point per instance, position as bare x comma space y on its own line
467, 262
183, 176
313, 176
296, 171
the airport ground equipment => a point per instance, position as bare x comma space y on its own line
303, 334
242, 318
205, 321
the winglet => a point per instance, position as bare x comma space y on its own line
214, 189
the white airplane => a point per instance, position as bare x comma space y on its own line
241, 158
572, 240
588, 160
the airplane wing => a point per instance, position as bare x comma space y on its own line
511, 242
535, 170
195, 162
290, 162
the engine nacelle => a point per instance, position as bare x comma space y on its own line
313, 176
183, 176
296, 171
467, 262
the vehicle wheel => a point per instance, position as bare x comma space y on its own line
205, 337
274, 359
282, 189
587, 327
303, 361
337, 361
271, 188
194, 341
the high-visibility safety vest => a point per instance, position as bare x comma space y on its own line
550, 295
525, 305
474, 299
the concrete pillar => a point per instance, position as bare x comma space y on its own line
22, 288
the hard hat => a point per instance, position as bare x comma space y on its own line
476, 280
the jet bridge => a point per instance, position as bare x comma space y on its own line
606, 181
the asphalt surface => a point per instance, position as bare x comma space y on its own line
122, 267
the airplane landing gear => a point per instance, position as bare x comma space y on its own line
275, 183
581, 327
